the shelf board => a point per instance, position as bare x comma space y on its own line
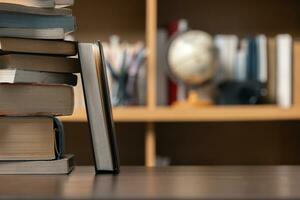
215, 113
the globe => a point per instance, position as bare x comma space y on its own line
191, 57
191, 60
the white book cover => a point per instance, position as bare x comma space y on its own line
227, 47
241, 63
284, 70
262, 58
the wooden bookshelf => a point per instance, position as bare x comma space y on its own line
137, 19
214, 113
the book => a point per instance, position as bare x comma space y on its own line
252, 60
17, 45
262, 58
172, 87
271, 84
42, 100
227, 50
284, 70
15, 8
98, 108
35, 77
21, 20
41, 3
39, 63
241, 64
27, 138
30, 33
161, 71
60, 166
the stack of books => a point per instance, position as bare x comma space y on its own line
36, 85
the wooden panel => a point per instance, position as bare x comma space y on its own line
98, 19
151, 46
150, 145
296, 74
230, 143
199, 143
130, 138
234, 16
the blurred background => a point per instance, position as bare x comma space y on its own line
195, 82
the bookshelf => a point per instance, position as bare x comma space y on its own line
215, 113
252, 19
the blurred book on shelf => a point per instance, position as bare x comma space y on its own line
256, 69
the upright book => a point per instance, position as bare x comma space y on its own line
284, 70
99, 108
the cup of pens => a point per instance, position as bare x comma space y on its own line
126, 71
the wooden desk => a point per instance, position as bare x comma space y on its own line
271, 182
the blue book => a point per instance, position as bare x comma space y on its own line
252, 60
21, 20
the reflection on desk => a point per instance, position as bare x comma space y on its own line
219, 182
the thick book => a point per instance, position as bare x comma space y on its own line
41, 3
36, 77
30, 33
39, 63
15, 8
30, 138
57, 47
32, 100
98, 108
22, 20
63, 165
284, 62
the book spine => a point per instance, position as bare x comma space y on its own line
284, 70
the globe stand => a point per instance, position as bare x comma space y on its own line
193, 100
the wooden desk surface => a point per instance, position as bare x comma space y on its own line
222, 182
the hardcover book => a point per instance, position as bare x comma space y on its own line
36, 100
57, 47
98, 108
32, 33
30, 138
35, 77
41, 3
60, 166
40, 63
15, 8
21, 20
